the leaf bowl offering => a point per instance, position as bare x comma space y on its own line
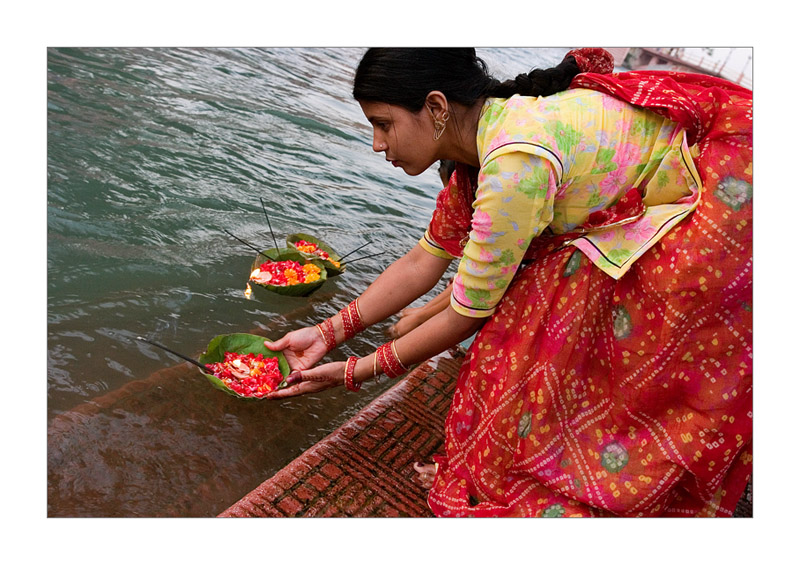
287, 272
314, 248
240, 365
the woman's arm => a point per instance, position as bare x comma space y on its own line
399, 285
446, 329
514, 202
404, 281
443, 331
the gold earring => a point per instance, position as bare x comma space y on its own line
439, 125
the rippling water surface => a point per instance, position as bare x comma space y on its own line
151, 154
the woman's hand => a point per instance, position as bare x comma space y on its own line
302, 348
311, 380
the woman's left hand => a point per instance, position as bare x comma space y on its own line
302, 348
313, 380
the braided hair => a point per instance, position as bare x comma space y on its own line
404, 77
538, 82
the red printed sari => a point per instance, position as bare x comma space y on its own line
588, 396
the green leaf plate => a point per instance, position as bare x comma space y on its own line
289, 254
239, 343
332, 269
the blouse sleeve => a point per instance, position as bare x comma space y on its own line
429, 244
513, 204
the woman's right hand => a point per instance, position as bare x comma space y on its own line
302, 348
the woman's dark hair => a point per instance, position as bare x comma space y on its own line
404, 77
446, 167
446, 170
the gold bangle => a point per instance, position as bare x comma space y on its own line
358, 315
375, 366
397, 357
349, 374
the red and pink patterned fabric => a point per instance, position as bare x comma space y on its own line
588, 396
593, 60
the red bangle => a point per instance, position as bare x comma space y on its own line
380, 353
397, 357
349, 370
351, 320
347, 324
355, 316
389, 361
328, 334
328, 325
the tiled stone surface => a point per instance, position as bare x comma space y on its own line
364, 468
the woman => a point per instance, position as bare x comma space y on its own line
603, 225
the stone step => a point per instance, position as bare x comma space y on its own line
365, 468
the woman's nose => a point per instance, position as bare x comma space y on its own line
378, 144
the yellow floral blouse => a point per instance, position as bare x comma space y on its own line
547, 163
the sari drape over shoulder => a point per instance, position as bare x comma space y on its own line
591, 391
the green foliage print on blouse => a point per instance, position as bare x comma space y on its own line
567, 137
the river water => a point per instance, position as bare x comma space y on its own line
151, 154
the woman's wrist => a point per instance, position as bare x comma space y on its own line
351, 322
328, 333
349, 374
389, 360
363, 369
342, 326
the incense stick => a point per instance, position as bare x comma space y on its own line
275, 241
253, 247
365, 257
353, 251
175, 353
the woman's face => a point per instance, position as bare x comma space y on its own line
405, 137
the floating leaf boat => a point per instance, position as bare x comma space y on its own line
242, 344
316, 249
308, 276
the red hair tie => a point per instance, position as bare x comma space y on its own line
593, 60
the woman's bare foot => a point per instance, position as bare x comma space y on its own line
426, 474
